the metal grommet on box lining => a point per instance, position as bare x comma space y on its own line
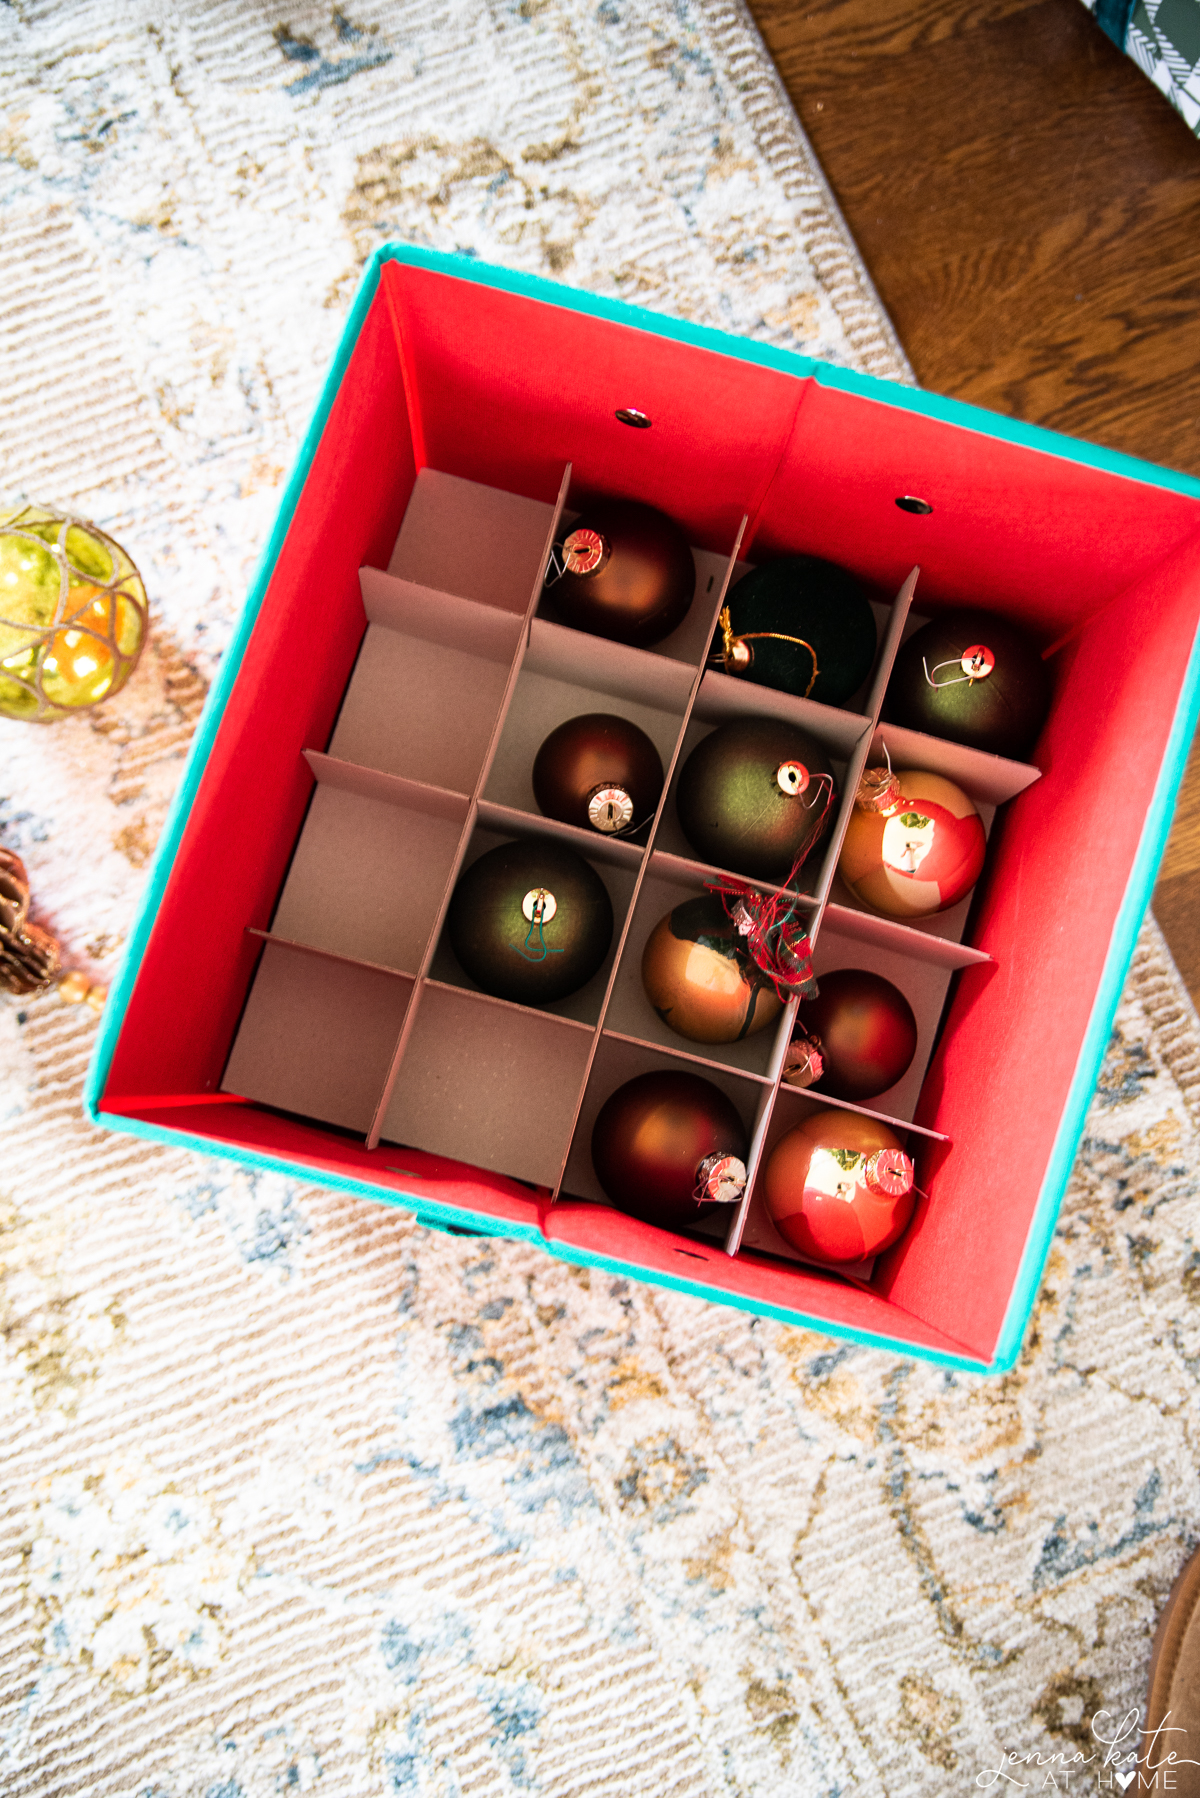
629, 415
610, 809
539, 905
908, 502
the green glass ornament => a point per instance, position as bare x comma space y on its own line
801, 625
73, 614
530, 921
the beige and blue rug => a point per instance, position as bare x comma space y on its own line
295, 1495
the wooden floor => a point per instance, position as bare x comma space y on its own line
1028, 206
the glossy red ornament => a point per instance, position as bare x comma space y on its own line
599, 772
627, 572
914, 845
661, 1139
865, 1030
839, 1187
700, 978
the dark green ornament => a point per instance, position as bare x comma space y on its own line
530, 921
801, 625
973, 677
751, 797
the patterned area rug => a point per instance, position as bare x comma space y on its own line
297, 1495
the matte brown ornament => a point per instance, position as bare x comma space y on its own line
668, 1148
29, 957
530, 921
700, 978
599, 772
627, 573
755, 795
839, 1187
865, 1031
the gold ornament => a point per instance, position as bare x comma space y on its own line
73, 614
28, 956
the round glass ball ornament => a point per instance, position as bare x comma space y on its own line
73, 614
754, 796
839, 1187
530, 921
627, 573
973, 677
700, 978
801, 625
599, 772
914, 844
865, 1031
669, 1148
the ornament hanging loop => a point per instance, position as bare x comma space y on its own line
735, 655
538, 906
975, 663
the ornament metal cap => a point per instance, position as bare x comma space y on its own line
539, 905
878, 791
889, 1172
585, 552
792, 778
978, 661
609, 809
803, 1062
720, 1180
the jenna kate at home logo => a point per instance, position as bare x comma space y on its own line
1123, 1760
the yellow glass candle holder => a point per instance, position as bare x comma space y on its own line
73, 614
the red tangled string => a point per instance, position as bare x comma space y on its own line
773, 929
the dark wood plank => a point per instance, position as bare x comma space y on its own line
1028, 206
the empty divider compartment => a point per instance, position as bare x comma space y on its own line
615, 863
479, 542
428, 684
689, 641
317, 1036
490, 1084
616, 1062
370, 866
567, 674
630, 1012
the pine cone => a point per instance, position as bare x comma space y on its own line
29, 957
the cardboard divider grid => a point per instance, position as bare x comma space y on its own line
463, 671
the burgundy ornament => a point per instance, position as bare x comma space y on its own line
974, 677
865, 1030
599, 772
668, 1148
627, 573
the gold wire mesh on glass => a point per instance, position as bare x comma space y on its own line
73, 614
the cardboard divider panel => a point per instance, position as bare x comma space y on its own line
489, 1083
723, 697
619, 879
987, 779
370, 866
617, 1061
853, 924
689, 640
485, 543
629, 1009
450, 660
316, 1036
